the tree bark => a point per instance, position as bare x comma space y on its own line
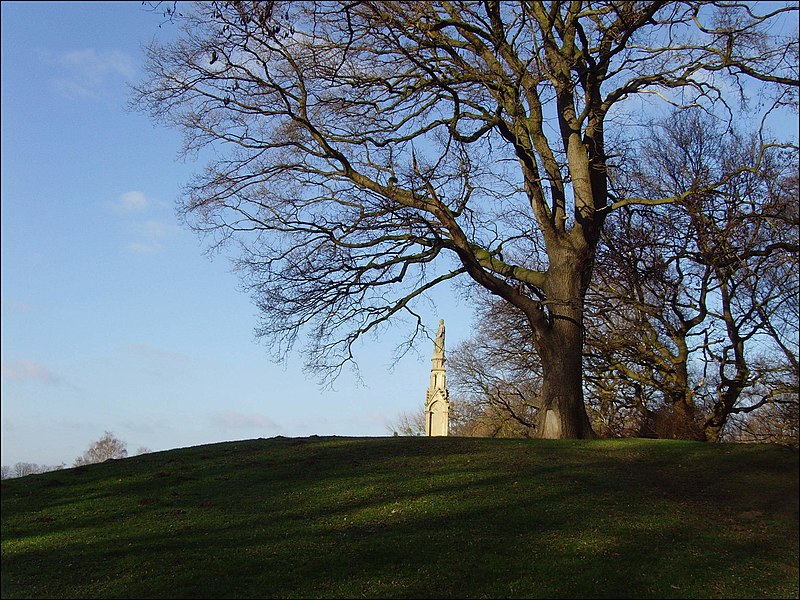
563, 411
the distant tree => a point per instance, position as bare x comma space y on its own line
143, 450
468, 417
21, 469
409, 423
775, 423
107, 447
496, 375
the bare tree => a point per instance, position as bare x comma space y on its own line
370, 151
692, 314
645, 327
497, 375
690, 303
775, 423
409, 423
21, 469
107, 447
468, 417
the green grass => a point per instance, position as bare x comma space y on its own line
331, 517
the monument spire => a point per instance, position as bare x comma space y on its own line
437, 400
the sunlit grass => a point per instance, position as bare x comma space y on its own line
410, 518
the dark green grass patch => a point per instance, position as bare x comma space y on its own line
330, 517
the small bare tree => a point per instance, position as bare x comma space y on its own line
107, 447
774, 423
497, 374
21, 469
409, 423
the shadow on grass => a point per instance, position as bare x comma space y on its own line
407, 517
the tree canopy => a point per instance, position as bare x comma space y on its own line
369, 151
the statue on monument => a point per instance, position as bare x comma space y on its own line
438, 343
437, 400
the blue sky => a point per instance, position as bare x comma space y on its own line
112, 316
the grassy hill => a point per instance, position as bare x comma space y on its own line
326, 517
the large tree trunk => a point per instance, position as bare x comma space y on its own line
686, 424
563, 411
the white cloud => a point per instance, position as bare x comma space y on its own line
143, 248
73, 89
13, 305
100, 64
133, 201
87, 73
158, 363
153, 228
25, 370
150, 234
235, 420
151, 352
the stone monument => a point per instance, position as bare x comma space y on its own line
437, 400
